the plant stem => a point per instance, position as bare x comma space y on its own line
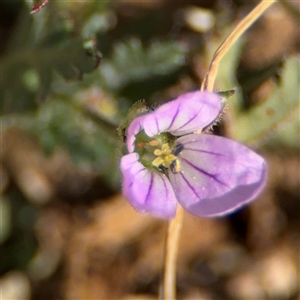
174, 227
209, 79
171, 250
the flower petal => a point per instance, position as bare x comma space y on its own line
217, 175
186, 114
147, 191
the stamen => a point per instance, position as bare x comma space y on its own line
153, 143
158, 162
157, 152
140, 144
165, 157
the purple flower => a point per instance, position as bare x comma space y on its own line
170, 160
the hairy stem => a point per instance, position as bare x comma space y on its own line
171, 250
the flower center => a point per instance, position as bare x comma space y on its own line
164, 157
158, 153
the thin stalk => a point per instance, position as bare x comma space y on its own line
174, 226
209, 79
172, 242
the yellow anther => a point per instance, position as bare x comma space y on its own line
157, 162
157, 152
165, 156
165, 149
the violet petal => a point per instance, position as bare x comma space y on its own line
186, 114
147, 191
217, 175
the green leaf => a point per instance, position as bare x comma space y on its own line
131, 62
33, 57
62, 124
260, 121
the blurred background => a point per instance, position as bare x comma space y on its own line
69, 73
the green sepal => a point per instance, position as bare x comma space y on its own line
225, 95
138, 108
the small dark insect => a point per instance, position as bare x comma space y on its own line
175, 166
178, 148
162, 169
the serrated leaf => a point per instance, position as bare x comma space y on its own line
69, 58
76, 58
37, 51
60, 124
260, 121
131, 62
